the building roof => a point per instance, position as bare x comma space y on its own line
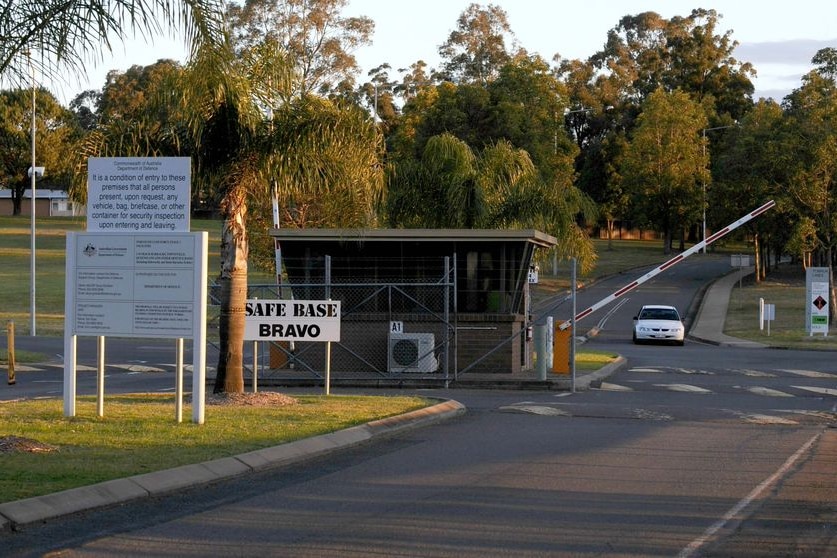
423, 235
40, 193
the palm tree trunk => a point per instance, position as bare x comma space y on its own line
233, 281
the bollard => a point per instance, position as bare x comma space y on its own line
10, 332
540, 352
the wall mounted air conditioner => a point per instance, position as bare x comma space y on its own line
412, 352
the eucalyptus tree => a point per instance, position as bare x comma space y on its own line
812, 170
665, 162
313, 33
57, 131
646, 51
476, 50
749, 168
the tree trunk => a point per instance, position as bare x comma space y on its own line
233, 282
757, 256
609, 234
667, 241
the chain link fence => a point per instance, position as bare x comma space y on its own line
390, 330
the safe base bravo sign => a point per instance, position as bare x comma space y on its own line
292, 320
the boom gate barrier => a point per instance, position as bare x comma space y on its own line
562, 336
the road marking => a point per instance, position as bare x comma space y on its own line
606, 386
648, 370
810, 373
756, 373
765, 485
767, 419
535, 410
645, 414
767, 392
610, 313
816, 414
137, 368
683, 388
824, 391
693, 371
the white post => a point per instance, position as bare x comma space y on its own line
255, 366
100, 376
178, 380
328, 368
199, 336
572, 330
69, 328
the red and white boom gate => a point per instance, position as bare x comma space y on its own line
673, 261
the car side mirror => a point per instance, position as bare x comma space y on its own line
636, 318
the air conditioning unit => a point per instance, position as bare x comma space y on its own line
412, 352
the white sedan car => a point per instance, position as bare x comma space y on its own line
658, 323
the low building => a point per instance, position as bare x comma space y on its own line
48, 203
468, 289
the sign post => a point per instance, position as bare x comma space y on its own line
137, 271
294, 320
816, 308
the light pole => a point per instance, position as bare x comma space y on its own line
703, 180
33, 177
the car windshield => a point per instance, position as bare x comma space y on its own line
659, 314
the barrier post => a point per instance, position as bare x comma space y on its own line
10, 334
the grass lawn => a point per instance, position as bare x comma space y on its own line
138, 434
785, 289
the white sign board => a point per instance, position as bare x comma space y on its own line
740, 260
816, 289
533, 274
128, 285
292, 320
136, 285
136, 194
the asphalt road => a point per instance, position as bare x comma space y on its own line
695, 450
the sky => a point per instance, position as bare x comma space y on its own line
778, 38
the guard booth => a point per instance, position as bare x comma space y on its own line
476, 319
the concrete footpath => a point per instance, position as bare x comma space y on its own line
706, 327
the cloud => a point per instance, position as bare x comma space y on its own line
795, 51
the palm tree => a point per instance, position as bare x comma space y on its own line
68, 35
308, 151
499, 187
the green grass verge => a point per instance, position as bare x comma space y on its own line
593, 360
139, 434
785, 288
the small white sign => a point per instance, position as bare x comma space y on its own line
533, 274
292, 320
740, 260
396, 327
138, 194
